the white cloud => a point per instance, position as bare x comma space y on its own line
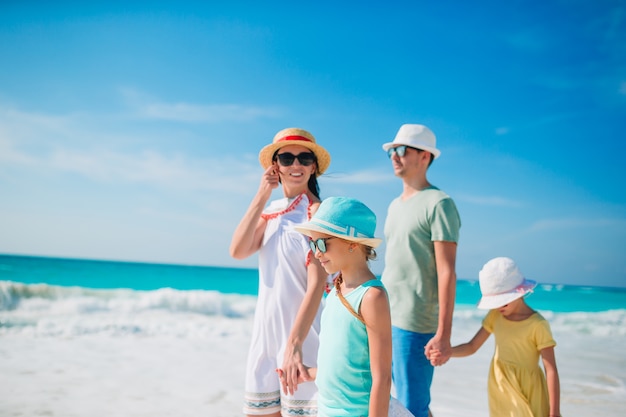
26, 128
145, 106
9, 155
183, 112
83, 143
151, 167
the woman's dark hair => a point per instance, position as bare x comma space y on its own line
314, 187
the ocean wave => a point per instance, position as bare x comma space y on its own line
49, 310
41, 310
600, 323
78, 300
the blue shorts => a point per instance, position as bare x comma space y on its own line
412, 372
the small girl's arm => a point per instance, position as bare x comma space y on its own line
469, 348
552, 378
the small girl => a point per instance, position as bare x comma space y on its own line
517, 386
354, 358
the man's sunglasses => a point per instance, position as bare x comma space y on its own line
287, 158
400, 150
319, 244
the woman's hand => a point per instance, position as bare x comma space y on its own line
269, 180
307, 374
293, 372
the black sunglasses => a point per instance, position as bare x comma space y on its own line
287, 158
400, 150
319, 244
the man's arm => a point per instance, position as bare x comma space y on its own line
445, 258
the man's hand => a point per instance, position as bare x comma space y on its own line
438, 351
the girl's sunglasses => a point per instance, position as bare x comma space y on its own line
287, 158
319, 244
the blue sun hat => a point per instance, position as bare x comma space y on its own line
345, 218
501, 282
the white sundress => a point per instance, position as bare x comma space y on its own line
283, 260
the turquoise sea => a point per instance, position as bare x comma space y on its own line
93, 274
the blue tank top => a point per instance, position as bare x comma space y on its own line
344, 378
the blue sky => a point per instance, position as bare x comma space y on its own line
130, 131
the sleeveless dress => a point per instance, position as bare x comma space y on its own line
283, 261
517, 385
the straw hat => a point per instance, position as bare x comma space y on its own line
345, 218
415, 136
502, 282
295, 136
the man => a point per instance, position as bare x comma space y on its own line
421, 232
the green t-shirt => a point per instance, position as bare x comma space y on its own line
410, 273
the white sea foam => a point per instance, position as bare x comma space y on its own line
77, 351
50, 310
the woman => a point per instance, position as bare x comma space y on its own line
291, 280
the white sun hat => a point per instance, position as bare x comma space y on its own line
501, 282
415, 136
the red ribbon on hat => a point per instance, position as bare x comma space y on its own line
295, 137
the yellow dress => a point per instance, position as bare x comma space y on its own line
517, 385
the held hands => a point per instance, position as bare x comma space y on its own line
438, 351
434, 356
293, 370
304, 376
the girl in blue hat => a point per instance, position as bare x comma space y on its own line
353, 373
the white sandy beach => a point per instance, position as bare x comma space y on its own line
185, 365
